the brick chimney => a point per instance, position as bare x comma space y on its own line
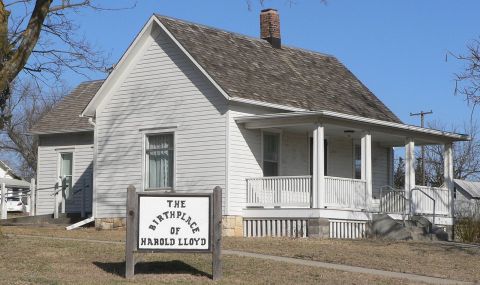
270, 27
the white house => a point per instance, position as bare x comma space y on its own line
292, 136
12, 185
6, 172
467, 198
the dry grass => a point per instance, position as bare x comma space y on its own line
442, 260
48, 261
425, 258
59, 231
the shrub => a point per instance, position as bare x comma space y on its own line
467, 229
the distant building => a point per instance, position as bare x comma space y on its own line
7, 172
467, 198
13, 184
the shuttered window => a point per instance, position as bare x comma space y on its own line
160, 159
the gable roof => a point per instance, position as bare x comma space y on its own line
65, 116
8, 170
251, 69
472, 188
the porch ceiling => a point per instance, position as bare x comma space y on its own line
386, 133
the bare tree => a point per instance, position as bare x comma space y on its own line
289, 2
466, 160
399, 173
468, 81
39, 39
466, 164
26, 105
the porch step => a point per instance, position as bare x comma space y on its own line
417, 228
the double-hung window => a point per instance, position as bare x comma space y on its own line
271, 151
357, 162
159, 161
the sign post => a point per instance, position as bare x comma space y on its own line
174, 222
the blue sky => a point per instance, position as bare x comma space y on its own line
397, 49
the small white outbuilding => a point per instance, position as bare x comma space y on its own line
467, 197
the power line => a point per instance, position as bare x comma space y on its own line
422, 124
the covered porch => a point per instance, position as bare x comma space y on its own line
332, 161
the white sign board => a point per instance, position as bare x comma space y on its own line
174, 222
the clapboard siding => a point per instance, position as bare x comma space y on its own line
162, 89
244, 157
380, 168
50, 146
294, 154
340, 157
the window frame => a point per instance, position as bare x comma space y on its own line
61, 151
145, 162
356, 143
278, 133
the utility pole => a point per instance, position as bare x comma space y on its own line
422, 124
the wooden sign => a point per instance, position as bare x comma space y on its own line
173, 222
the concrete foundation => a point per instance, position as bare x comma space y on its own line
109, 223
318, 228
232, 226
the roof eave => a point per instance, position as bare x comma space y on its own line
347, 117
62, 131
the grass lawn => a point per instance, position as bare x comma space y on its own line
443, 260
46, 261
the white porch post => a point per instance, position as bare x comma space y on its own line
366, 166
318, 171
409, 167
4, 201
33, 197
448, 173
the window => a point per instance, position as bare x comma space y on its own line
159, 161
357, 162
271, 150
66, 173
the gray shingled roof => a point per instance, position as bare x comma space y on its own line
471, 187
64, 118
247, 68
250, 68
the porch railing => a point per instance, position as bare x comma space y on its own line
421, 205
279, 191
393, 201
345, 193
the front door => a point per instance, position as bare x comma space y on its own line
66, 173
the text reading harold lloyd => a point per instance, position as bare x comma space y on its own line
174, 223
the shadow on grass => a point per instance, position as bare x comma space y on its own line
153, 267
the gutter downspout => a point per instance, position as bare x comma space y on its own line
94, 166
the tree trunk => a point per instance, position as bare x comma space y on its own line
14, 61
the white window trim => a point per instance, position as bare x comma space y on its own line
354, 143
280, 142
153, 132
61, 151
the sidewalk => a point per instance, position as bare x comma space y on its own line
319, 264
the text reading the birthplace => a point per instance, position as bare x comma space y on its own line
174, 222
